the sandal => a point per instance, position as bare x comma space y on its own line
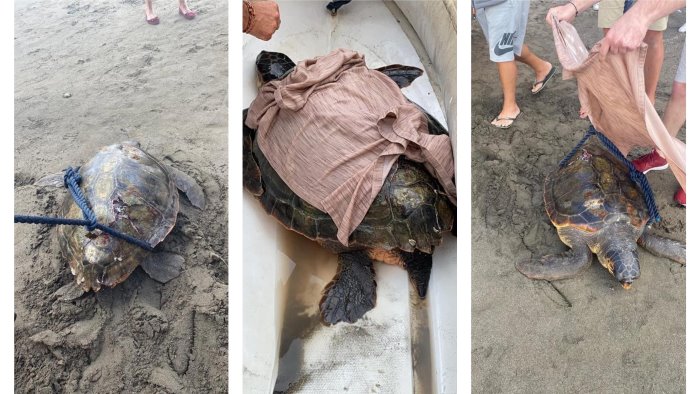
506, 126
544, 81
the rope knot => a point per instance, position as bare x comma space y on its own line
71, 175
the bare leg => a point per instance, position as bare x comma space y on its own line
653, 62
674, 115
539, 66
183, 6
150, 15
508, 74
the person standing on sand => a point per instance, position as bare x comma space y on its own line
627, 34
261, 19
183, 9
504, 23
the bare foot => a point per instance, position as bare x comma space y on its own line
186, 11
151, 16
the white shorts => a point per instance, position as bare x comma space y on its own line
504, 27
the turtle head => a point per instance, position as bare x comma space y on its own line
273, 65
622, 262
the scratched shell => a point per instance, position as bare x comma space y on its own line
591, 189
129, 191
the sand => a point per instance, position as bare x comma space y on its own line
93, 73
585, 334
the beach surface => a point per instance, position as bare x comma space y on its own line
90, 74
582, 335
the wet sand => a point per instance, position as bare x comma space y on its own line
581, 335
90, 74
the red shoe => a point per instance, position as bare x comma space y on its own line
679, 197
649, 162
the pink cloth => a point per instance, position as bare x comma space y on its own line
332, 129
612, 93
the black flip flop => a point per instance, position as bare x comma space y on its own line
545, 80
512, 120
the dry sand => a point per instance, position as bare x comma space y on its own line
166, 87
582, 335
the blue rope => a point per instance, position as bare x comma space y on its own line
71, 180
639, 178
578, 146
628, 5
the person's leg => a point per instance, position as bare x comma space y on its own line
508, 74
674, 115
539, 66
185, 10
653, 62
150, 15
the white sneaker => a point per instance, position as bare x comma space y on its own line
682, 28
596, 6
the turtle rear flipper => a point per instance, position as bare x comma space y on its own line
402, 75
353, 290
418, 265
163, 266
663, 247
555, 267
334, 5
189, 186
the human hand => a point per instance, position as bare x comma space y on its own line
625, 35
566, 12
266, 19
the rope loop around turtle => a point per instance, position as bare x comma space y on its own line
71, 180
639, 178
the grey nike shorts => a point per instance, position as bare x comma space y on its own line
504, 27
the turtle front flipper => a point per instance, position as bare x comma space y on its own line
663, 247
353, 290
555, 267
69, 292
402, 75
418, 265
163, 266
53, 180
252, 178
189, 186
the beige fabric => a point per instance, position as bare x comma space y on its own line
612, 93
333, 128
611, 10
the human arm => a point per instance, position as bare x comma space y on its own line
261, 18
569, 10
628, 32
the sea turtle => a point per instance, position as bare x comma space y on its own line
403, 225
132, 192
596, 207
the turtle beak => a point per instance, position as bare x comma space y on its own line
626, 285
